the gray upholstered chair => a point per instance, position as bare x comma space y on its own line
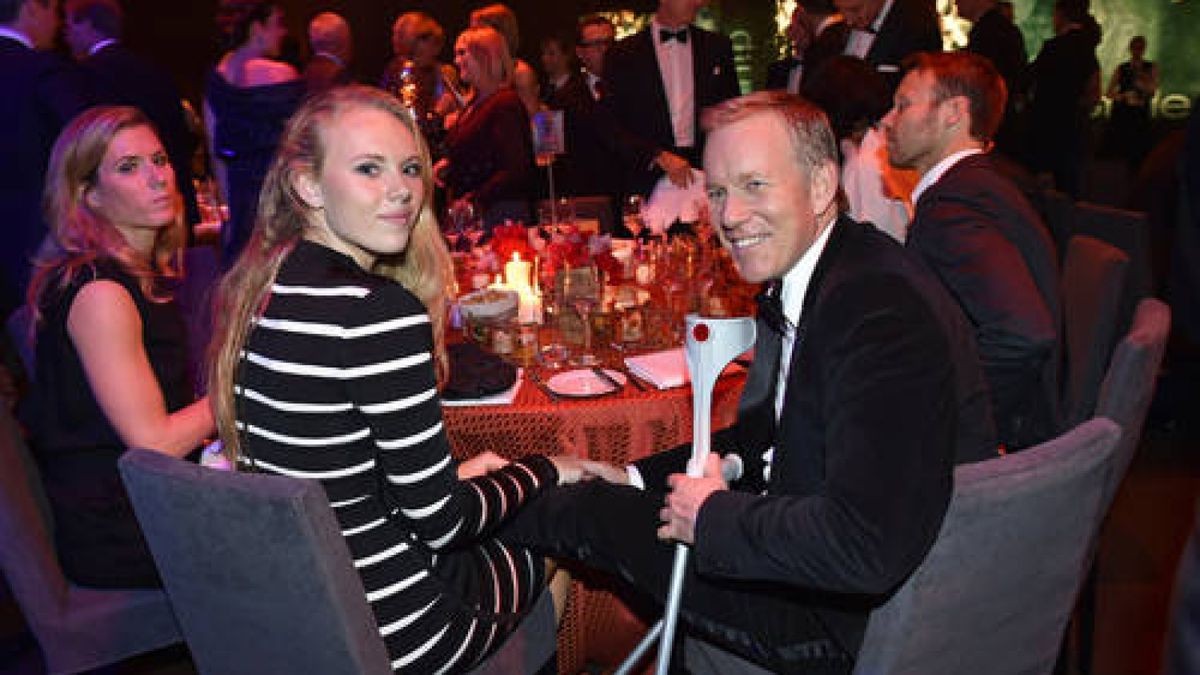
77, 628
260, 577
1124, 397
1093, 279
1128, 231
1129, 384
994, 593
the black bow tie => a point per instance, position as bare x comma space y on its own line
665, 35
770, 307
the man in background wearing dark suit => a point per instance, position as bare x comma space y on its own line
864, 393
980, 236
659, 80
884, 32
816, 32
995, 37
41, 93
332, 47
594, 36
117, 76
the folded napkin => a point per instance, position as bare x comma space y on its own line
476, 374
669, 203
505, 397
667, 369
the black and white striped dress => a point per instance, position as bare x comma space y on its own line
337, 384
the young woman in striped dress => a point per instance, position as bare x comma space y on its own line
327, 367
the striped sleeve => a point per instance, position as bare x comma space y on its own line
386, 355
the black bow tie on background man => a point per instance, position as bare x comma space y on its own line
665, 35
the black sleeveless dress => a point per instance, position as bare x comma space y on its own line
97, 536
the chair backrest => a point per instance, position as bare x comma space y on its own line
256, 569
994, 593
1093, 277
1129, 384
27, 555
1128, 231
77, 628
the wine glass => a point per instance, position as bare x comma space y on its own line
460, 214
581, 290
632, 215
472, 222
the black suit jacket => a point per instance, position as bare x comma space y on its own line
592, 163
637, 99
992, 251
120, 77
883, 397
995, 37
41, 93
910, 26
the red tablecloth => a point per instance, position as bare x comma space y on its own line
617, 428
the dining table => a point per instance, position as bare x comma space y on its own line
618, 427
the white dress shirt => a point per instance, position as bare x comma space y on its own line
938, 170
791, 295
860, 41
676, 68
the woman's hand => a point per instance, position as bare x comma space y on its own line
574, 469
481, 464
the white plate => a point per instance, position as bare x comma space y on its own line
584, 383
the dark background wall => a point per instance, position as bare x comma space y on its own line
180, 34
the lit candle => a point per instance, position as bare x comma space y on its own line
529, 306
516, 272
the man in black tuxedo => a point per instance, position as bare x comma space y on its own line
659, 80
118, 76
816, 32
41, 93
884, 32
980, 235
864, 393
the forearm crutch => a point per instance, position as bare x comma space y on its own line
710, 345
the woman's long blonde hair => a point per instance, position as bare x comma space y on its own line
424, 268
80, 235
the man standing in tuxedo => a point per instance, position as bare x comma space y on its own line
594, 35
659, 80
884, 32
816, 32
41, 94
117, 76
864, 393
980, 236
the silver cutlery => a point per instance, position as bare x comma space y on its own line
603, 375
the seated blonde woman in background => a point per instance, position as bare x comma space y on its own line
111, 357
327, 367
